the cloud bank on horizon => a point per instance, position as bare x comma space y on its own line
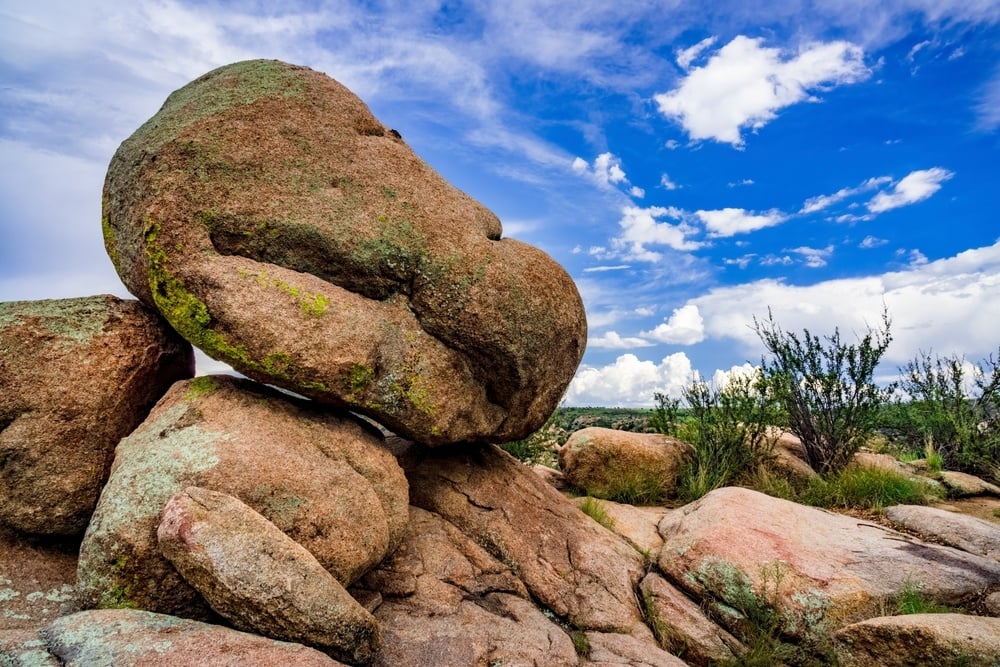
690, 167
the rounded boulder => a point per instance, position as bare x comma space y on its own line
284, 230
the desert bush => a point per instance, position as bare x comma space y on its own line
825, 389
956, 415
728, 428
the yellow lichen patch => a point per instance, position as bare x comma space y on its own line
312, 305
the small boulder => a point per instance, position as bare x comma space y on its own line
609, 649
77, 375
920, 639
309, 471
132, 638
617, 465
571, 565
790, 458
822, 570
284, 230
977, 536
961, 484
259, 579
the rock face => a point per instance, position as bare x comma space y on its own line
76, 375
823, 570
447, 601
570, 564
607, 463
319, 476
127, 637
920, 639
259, 579
977, 536
960, 484
281, 228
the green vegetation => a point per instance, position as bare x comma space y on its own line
728, 428
953, 410
596, 511
912, 601
856, 487
825, 389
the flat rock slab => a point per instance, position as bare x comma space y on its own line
920, 639
319, 475
823, 570
283, 229
259, 579
131, 638
638, 525
967, 533
961, 484
77, 375
607, 649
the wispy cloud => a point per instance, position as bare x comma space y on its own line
744, 85
821, 202
612, 341
912, 188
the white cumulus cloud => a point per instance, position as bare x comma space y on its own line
629, 381
684, 327
912, 188
744, 84
641, 227
731, 221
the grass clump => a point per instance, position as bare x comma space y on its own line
912, 601
858, 487
596, 511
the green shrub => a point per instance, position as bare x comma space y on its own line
958, 414
825, 388
728, 429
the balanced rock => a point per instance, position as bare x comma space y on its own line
259, 579
608, 463
132, 638
281, 228
76, 375
821, 570
321, 477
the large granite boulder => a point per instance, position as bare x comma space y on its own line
608, 463
76, 376
819, 569
321, 477
259, 579
281, 228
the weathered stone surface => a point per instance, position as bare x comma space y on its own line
920, 639
37, 579
683, 627
960, 484
319, 476
131, 638
616, 650
24, 648
824, 570
790, 457
606, 463
283, 229
259, 579
967, 533
638, 525
447, 601
76, 376
570, 564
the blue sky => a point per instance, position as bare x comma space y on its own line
689, 165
